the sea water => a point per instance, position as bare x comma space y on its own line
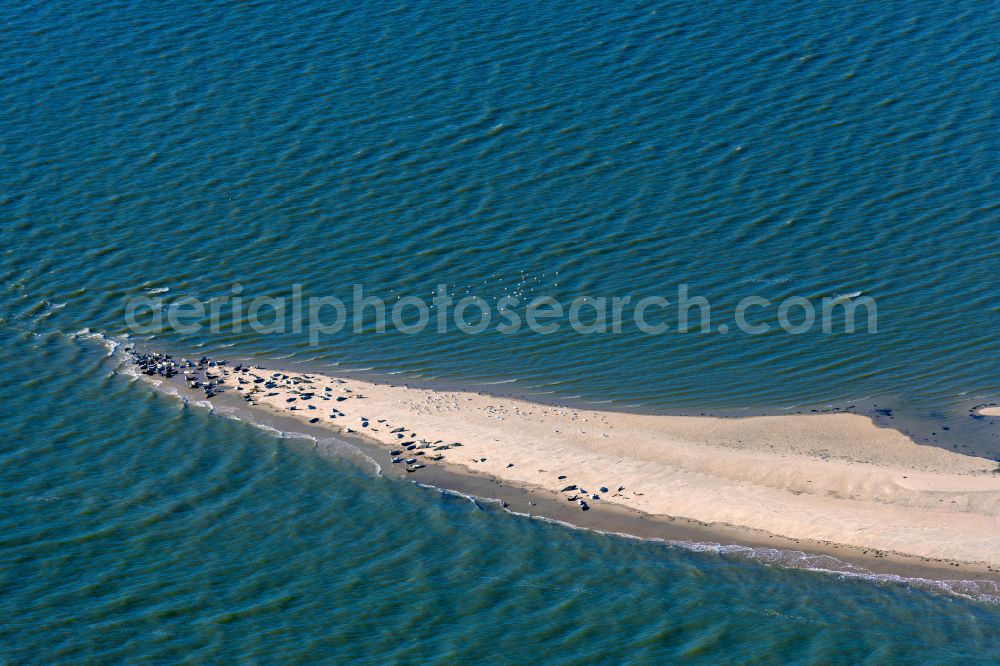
776, 149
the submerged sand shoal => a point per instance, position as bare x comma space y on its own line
834, 478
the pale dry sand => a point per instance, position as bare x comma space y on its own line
834, 478
990, 411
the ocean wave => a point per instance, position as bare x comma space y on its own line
111, 343
978, 590
46, 310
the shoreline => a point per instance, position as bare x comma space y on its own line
745, 482
523, 500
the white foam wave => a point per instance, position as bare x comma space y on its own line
111, 344
48, 310
979, 590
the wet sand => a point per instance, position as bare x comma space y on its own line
825, 483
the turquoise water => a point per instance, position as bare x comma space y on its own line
574, 149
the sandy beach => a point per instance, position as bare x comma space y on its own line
990, 411
829, 478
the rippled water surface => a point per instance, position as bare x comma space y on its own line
568, 149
